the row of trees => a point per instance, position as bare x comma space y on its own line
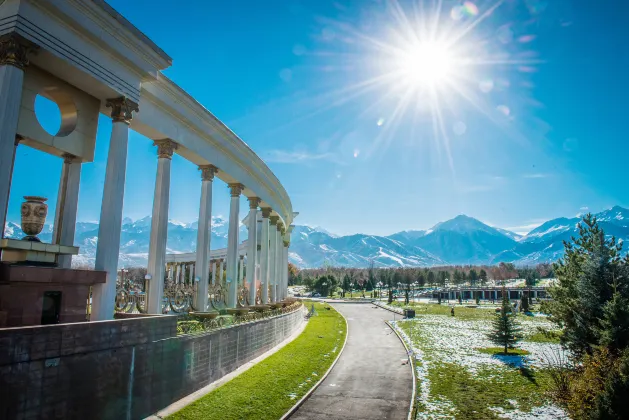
373, 278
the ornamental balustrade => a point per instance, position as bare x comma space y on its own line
180, 287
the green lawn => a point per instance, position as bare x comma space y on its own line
273, 386
472, 395
461, 375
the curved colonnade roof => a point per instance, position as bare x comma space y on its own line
91, 46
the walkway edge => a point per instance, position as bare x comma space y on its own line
197, 395
411, 362
309, 393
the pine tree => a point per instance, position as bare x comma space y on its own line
506, 330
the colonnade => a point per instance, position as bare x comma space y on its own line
273, 255
274, 235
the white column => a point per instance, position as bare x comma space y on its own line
67, 205
285, 270
264, 255
279, 257
159, 227
104, 294
204, 236
252, 247
13, 60
214, 272
273, 256
220, 271
232, 244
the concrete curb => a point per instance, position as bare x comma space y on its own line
303, 399
412, 364
379, 305
190, 398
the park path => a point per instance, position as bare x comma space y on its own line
369, 381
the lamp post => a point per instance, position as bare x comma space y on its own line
379, 286
325, 286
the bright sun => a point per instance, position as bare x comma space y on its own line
427, 64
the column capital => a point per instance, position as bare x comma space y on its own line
274, 220
14, 51
253, 202
165, 148
286, 244
280, 227
236, 188
266, 212
122, 109
70, 158
208, 172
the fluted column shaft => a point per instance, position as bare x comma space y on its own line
279, 256
104, 294
159, 228
67, 206
264, 255
273, 257
285, 270
252, 246
204, 237
13, 60
232, 245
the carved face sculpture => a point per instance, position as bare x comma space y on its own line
34, 211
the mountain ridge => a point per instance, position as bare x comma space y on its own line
460, 240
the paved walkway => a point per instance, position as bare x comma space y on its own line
369, 381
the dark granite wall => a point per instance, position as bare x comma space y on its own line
121, 369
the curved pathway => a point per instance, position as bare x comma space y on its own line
369, 381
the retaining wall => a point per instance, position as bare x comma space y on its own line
121, 369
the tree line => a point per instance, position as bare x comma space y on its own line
328, 279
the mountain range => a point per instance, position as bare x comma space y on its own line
461, 240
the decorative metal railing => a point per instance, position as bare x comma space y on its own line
179, 295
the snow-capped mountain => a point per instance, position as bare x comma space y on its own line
461, 240
134, 239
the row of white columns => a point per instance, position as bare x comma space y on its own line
273, 250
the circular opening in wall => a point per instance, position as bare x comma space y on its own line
48, 114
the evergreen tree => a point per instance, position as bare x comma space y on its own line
505, 328
431, 278
473, 276
593, 284
482, 276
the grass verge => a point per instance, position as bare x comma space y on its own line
270, 388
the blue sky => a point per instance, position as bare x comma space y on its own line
533, 119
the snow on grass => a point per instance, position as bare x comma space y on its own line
457, 380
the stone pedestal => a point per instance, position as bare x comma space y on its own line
31, 295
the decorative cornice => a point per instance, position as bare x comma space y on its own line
14, 51
266, 212
122, 109
165, 148
274, 220
254, 202
236, 189
230, 144
208, 172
